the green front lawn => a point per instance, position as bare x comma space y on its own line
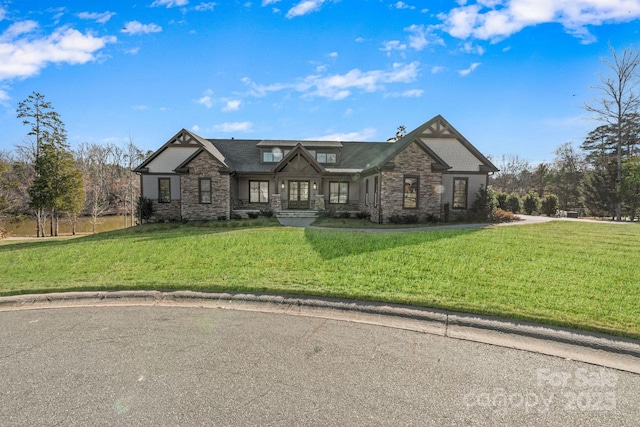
581, 275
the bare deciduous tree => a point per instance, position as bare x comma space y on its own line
618, 99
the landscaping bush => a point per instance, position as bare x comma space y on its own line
446, 212
267, 213
531, 203
403, 219
222, 217
550, 204
235, 216
501, 200
343, 214
513, 203
431, 218
500, 215
145, 209
253, 215
482, 206
363, 215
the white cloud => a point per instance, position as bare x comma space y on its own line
4, 98
411, 93
498, 19
169, 3
469, 70
403, 5
268, 2
232, 105
339, 86
333, 55
234, 127
421, 36
362, 135
3, 13
437, 69
132, 51
206, 99
135, 27
203, 7
304, 7
393, 45
23, 55
101, 18
139, 107
469, 47
360, 40
195, 128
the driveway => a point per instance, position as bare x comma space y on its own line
158, 365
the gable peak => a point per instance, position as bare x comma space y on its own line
184, 137
439, 128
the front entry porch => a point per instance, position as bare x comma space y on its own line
298, 195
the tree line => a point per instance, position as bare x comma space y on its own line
601, 177
45, 178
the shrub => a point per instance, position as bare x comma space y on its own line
531, 203
363, 215
482, 206
501, 200
513, 203
550, 204
446, 212
403, 219
343, 214
267, 213
222, 217
235, 215
500, 215
431, 218
253, 215
145, 209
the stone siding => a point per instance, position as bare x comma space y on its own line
166, 211
205, 166
412, 161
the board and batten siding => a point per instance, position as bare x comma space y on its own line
150, 186
474, 183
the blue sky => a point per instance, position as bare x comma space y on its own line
510, 75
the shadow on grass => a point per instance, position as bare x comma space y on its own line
144, 232
331, 244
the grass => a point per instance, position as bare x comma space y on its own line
580, 275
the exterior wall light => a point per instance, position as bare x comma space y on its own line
282, 185
315, 187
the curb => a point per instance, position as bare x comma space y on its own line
595, 348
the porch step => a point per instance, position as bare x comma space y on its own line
297, 214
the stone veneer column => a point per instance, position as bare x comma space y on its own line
276, 202
319, 205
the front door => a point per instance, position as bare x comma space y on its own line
298, 194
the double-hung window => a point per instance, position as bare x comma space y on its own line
164, 190
460, 188
338, 192
366, 192
204, 190
410, 192
259, 191
375, 192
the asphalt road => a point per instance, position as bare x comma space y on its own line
204, 366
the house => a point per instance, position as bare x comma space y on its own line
193, 178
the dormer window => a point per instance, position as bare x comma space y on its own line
272, 156
326, 157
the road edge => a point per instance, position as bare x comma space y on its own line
594, 348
